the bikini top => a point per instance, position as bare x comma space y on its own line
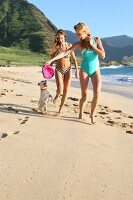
59, 51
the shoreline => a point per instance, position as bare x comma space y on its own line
123, 90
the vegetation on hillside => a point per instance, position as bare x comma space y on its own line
25, 26
14, 56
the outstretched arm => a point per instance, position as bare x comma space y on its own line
64, 53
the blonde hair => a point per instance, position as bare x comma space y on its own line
81, 26
84, 28
56, 43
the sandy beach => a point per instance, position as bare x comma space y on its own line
58, 157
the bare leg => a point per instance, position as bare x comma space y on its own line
96, 82
84, 80
67, 82
59, 84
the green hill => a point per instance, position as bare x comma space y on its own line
25, 26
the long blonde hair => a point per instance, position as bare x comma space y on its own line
56, 43
83, 27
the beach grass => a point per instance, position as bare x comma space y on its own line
15, 56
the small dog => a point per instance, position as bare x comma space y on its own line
45, 96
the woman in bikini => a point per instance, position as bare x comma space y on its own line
63, 66
90, 48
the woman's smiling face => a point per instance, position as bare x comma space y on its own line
60, 38
81, 34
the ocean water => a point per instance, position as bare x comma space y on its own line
121, 75
118, 75
115, 79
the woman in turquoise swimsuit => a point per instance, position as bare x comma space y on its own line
63, 66
90, 48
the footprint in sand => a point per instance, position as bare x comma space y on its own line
10, 108
2, 94
111, 122
106, 107
131, 117
129, 132
117, 111
115, 118
24, 120
16, 132
124, 125
35, 110
66, 104
73, 98
86, 112
103, 113
75, 104
4, 91
19, 95
3, 135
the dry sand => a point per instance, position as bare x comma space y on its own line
58, 157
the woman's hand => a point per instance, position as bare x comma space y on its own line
89, 39
99, 49
77, 74
98, 41
47, 62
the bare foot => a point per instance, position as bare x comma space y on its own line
60, 111
80, 116
55, 99
92, 119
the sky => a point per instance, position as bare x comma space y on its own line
104, 18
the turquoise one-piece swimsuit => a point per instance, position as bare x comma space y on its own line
90, 61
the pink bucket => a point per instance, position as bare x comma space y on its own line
47, 71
